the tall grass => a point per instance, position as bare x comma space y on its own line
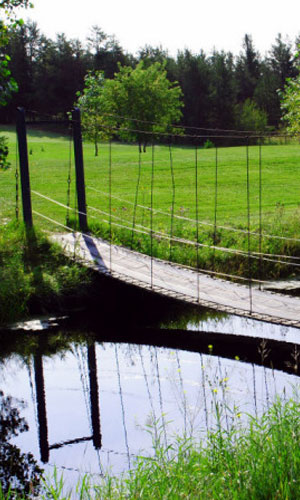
260, 460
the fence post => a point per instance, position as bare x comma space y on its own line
79, 167
24, 168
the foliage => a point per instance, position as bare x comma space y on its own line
142, 99
7, 84
35, 276
249, 117
290, 104
105, 52
19, 471
49, 73
208, 144
248, 69
4, 163
90, 102
222, 90
136, 99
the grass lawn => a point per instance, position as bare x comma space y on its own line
50, 157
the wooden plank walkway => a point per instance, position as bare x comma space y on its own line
175, 281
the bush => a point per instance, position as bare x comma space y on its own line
35, 276
208, 144
4, 163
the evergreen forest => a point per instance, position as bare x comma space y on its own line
220, 90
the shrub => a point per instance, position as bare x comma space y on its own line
4, 163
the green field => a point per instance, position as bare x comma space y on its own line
225, 204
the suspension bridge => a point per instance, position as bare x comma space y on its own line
179, 282
180, 252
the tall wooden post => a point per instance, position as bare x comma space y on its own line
79, 167
24, 167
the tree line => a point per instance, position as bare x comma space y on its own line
220, 90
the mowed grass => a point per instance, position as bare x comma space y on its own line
218, 179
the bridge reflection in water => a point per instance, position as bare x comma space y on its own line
42, 412
167, 388
181, 282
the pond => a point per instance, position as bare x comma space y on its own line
97, 388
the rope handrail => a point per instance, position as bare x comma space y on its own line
190, 127
179, 266
182, 217
159, 234
152, 134
253, 255
68, 120
191, 268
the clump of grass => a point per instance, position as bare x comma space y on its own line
35, 276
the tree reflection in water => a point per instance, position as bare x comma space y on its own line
18, 471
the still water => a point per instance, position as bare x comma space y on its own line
97, 393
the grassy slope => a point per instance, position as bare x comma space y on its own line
49, 164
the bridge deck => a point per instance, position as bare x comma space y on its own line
182, 283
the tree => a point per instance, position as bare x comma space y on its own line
105, 52
275, 69
193, 73
7, 20
281, 60
250, 117
266, 95
7, 84
222, 91
290, 104
90, 102
143, 101
247, 70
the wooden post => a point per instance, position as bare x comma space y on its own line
24, 167
79, 167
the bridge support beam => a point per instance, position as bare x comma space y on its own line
24, 167
79, 167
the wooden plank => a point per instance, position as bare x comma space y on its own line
176, 281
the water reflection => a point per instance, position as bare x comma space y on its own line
18, 470
93, 404
92, 396
94, 413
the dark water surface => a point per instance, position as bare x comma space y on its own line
93, 384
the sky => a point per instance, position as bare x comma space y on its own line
174, 24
